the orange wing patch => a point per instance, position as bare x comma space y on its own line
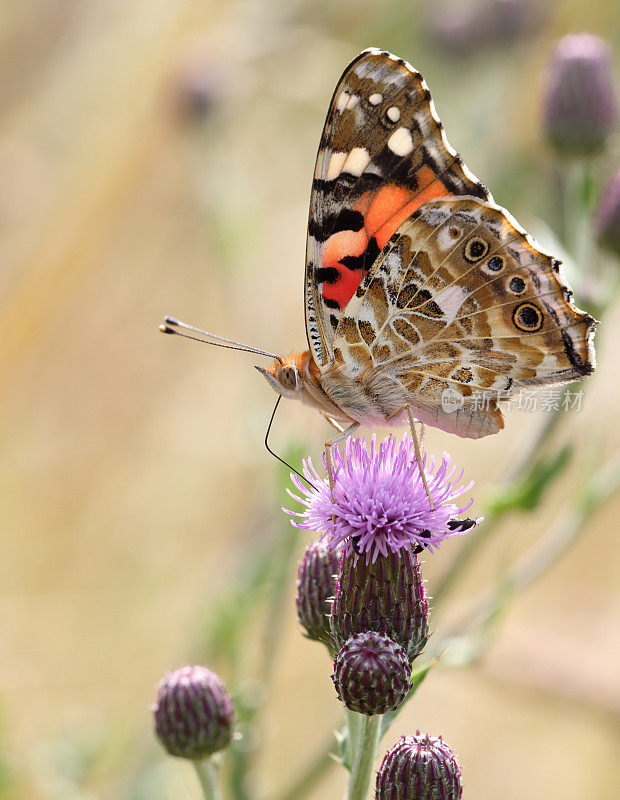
392, 204
351, 253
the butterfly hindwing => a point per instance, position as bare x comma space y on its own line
383, 154
462, 299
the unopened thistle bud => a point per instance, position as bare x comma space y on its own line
194, 714
579, 110
468, 28
386, 596
371, 674
200, 85
419, 768
316, 580
608, 215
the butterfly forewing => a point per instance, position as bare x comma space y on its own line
383, 154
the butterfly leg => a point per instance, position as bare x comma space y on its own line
418, 456
416, 449
334, 424
328, 453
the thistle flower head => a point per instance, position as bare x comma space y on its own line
419, 767
371, 673
380, 504
194, 714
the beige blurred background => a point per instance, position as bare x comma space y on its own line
156, 157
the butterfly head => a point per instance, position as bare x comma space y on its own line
285, 376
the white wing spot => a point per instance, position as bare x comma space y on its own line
375, 99
450, 300
341, 102
353, 100
393, 113
357, 161
401, 142
336, 163
445, 240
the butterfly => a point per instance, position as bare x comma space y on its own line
421, 293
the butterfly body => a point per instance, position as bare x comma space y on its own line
417, 284
370, 398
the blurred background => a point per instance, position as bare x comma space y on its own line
156, 157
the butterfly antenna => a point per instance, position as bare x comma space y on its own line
275, 455
171, 325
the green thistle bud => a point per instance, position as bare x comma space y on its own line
386, 597
316, 580
194, 714
371, 674
608, 215
419, 768
579, 110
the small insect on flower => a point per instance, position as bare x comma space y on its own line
379, 503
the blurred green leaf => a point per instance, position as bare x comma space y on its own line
527, 494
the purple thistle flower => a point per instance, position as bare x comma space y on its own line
379, 501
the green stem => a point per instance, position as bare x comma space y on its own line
206, 770
354, 726
364, 758
577, 208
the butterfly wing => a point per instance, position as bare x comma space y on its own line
383, 154
460, 308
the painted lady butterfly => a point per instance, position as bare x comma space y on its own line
417, 283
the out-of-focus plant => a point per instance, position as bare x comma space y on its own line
579, 107
376, 628
608, 216
474, 27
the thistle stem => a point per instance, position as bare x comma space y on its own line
364, 758
577, 208
206, 771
